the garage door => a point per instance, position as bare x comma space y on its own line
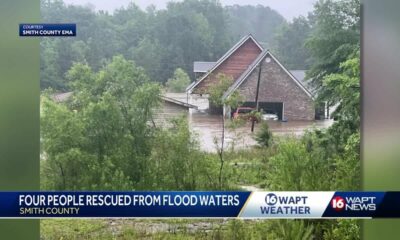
275, 107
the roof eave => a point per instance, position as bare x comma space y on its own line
177, 102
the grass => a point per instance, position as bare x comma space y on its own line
74, 229
68, 229
203, 229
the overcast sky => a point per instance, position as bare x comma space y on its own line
288, 8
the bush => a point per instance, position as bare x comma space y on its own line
293, 168
264, 136
346, 229
292, 229
348, 166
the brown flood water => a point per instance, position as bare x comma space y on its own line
208, 127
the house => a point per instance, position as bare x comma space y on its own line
280, 90
171, 107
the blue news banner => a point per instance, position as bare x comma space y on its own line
47, 30
200, 205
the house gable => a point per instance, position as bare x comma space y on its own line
277, 85
251, 72
232, 64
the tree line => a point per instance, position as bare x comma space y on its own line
160, 41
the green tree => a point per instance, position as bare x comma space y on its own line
217, 102
178, 82
261, 21
186, 35
96, 41
177, 159
217, 91
335, 36
345, 133
339, 146
160, 41
289, 43
344, 91
50, 71
147, 54
101, 138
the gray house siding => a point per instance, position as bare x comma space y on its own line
276, 85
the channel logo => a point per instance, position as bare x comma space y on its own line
339, 203
271, 199
285, 204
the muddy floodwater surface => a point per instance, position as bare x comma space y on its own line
209, 127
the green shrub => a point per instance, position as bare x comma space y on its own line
293, 168
346, 229
178, 82
264, 135
292, 229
